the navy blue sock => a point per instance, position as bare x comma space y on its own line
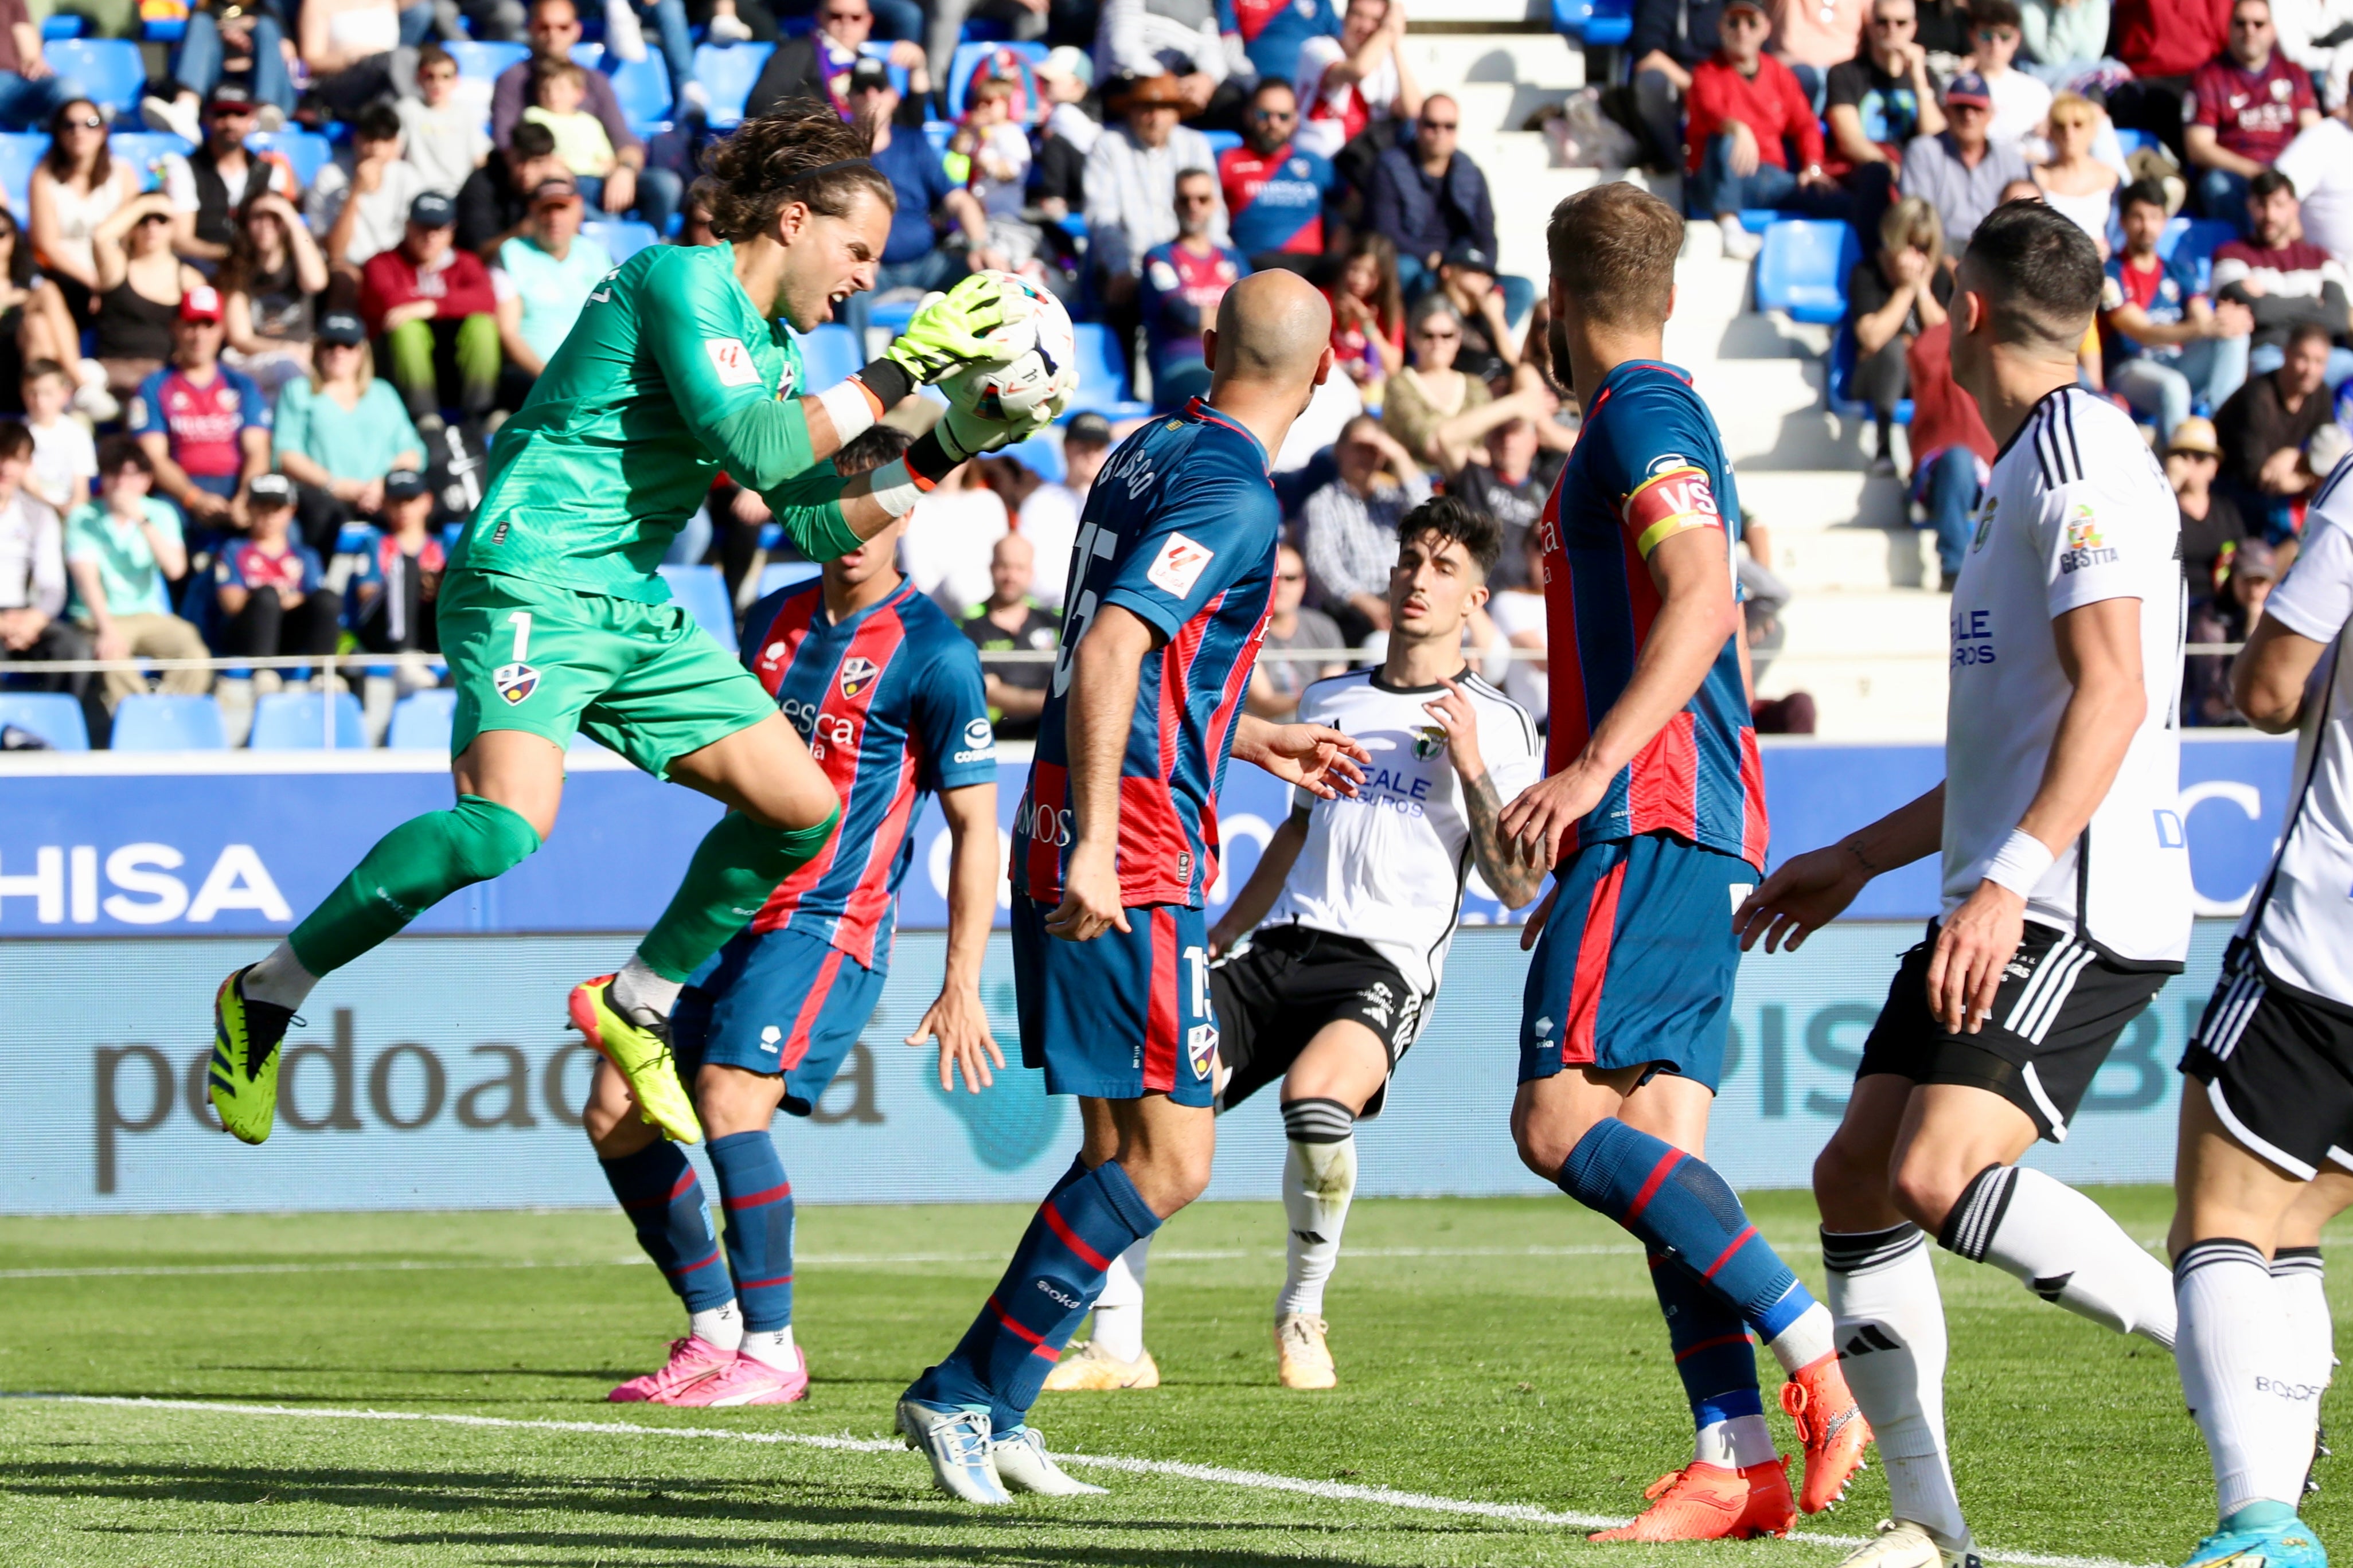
1002, 1361
759, 1204
663, 1199
1678, 1205
1712, 1353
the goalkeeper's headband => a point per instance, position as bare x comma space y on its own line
829, 168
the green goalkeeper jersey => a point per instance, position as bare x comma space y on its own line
670, 375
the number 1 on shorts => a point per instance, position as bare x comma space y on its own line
521, 621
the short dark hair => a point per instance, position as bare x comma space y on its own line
2143, 192
2038, 271
877, 445
377, 123
1452, 517
15, 441
1613, 247
2306, 331
2265, 182
531, 139
36, 368
1273, 84
117, 453
1984, 14
429, 53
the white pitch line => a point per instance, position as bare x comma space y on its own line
1254, 1481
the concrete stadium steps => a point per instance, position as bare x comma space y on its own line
1864, 699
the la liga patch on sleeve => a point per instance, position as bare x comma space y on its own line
732, 360
1179, 566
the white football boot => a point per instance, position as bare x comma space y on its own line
1024, 1466
957, 1443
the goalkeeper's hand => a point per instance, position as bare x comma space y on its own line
963, 435
949, 330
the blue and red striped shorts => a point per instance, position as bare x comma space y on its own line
1123, 1015
779, 1001
1635, 964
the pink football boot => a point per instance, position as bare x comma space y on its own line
691, 1360
747, 1382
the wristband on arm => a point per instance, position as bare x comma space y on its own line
2021, 863
900, 484
856, 403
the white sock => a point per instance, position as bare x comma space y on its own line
1805, 1342
1890, 1319
1118, 1329
2233, 1355
2064, 1248
1319, 1180
642, 996
722, 1325
2311, 1343
280, 978
772, 1347
1735, 1445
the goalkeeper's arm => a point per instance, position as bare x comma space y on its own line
826, 515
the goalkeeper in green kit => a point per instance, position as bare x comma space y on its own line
554, 619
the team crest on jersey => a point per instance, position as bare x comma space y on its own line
1429, 741
1985, 524
857, 675
2084, 545
515, 682
1201, 1047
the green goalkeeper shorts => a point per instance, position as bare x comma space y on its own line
642, 679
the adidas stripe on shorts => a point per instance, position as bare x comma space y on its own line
2059, 1011
2277, 1065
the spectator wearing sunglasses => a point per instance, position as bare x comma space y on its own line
2250, 101
2021, 103
1182, 282
75, 186
141, 285
1428, 197
220, 176
441, 133
1883, 97
818, 64
1275, 190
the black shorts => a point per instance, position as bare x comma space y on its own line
2056, 1017
1272, 998
2278, 1070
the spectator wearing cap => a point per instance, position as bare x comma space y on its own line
817, 64
141, 284
269, 286
1669, 40
1010, 620
341, 432
2284, 281
1058, 172
2166, 342
548, 273
361, 200
432, 305
2246, 575
123, 552
31, 89
1049, 518
391, 577
1885, 96
1959, 170
204, 425
1131, 183
209, 185
494, 204
248, 37
1275, 190
2211, 523
1467, 279
929, 203
2248, 103
1753, 138
442, 129
270, 587
1428, 197
2265, 429
1182, 282
652, 194
33, 581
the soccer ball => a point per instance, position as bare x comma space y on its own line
1040, 357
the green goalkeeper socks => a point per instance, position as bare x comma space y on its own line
735, 867
411, 869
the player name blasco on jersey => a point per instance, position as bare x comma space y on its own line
1354, 904
2270, 1105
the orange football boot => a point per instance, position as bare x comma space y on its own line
1708, 1502
1830, 1424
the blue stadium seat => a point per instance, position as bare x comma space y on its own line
1843, 353
786, 574
1221, 142
1802, 268
970, 57
57, 27
621, 237
110, 69
727, 72
2198, 238
2133, 141
899, 74
485, 62
164, 29
1594, 23
830, 355
297, 721
52, 715
161, 723
701, 592
1103, 379
1042, 457
939, 134
642, 89
145, 149
421, 722
19, 151
306, 151
891, 315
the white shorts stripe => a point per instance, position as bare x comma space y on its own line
2044, 1103
2044, 974
2253, 1144
2238, 1011
2055, 997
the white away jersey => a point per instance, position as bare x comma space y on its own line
2077, 511
1388, 866
2303, 921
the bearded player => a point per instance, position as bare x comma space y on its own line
1115, 842
554, 619
1653, 822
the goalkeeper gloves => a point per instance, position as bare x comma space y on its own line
950, 330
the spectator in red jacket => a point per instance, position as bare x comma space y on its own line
2250, 101
2163, 41
1748, 113
431, 305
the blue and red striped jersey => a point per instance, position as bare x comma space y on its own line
1648, 464
890, 703
1275, 203
1273, 30
1179, 530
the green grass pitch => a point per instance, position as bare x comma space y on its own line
1494, 1352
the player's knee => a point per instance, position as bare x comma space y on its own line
1842, 1169
487, 839
1544, 1145
1924, 1191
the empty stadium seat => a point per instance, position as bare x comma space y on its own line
701, 592
1594, 23
19, 151
786, 574
1841, 371
621, 237
422, 721
830, 355
157, 722
970, 57
57, 26
1802, 268
727, 72
52, 715
1221, 142
642, 90
2197, 238
110, 69
1103, 385
305, 152
297, 721
485, 61
146, 149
